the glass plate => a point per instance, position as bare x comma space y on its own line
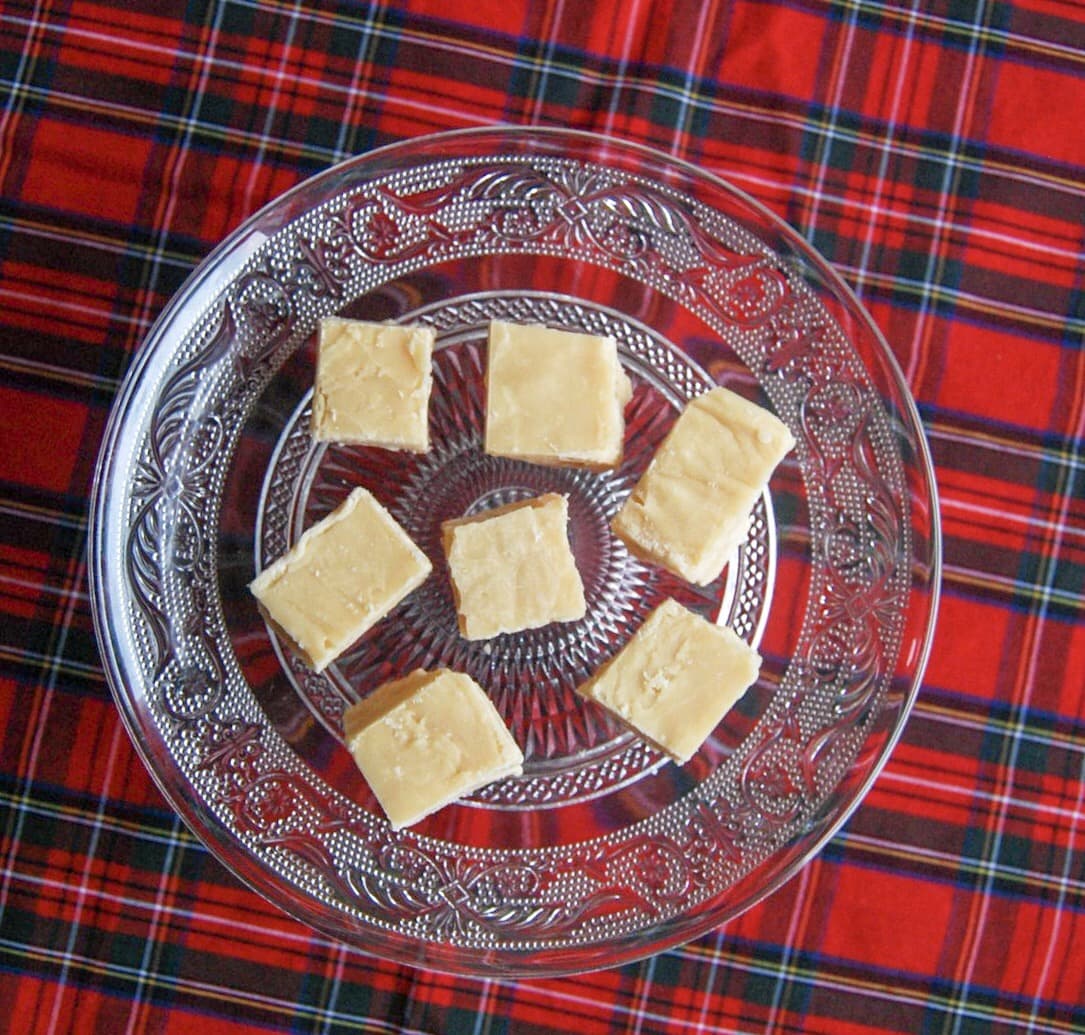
602, 851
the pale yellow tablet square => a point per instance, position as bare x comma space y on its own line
340, 578
690, 509
426, 740
512, 568
373, 384
554, 397
675, 679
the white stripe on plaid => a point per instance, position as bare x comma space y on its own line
934, 275
218, 994
1067, 491
700, 39
60, 988
278, 78
885, 147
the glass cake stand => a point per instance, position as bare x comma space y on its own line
602, 851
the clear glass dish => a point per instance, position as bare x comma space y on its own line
602, 852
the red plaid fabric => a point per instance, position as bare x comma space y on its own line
933, 153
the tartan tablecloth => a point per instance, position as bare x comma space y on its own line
933, 152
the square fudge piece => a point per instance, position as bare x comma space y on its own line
675, 679
512, 568
554, 397
340, 578
373, 384
690, 509
425, 740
